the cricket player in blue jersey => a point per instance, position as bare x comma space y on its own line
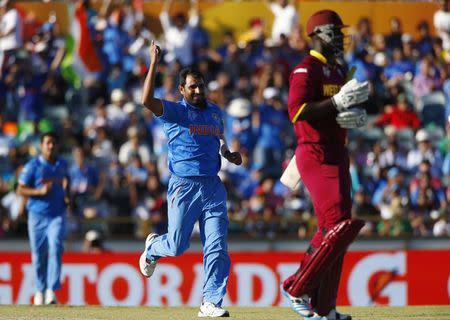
44, 182
194, 128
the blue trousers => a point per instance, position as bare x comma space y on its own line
201, 199
46, 241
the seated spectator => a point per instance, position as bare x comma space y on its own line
397, 225
115, 116
270, 143
151, 209
239, 124
425, 151
424, 168
93, 242
424, 44
242, 179
386, 192
425, 197
134, 146
399, 115
393, 156
99, 118
364, 209
441, 226
394, 38
102, 147
86, 186
427, 79
399, 68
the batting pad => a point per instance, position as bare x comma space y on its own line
334, 244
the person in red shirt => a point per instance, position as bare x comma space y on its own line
321, 107
400, 116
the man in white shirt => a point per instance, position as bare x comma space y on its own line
441, 21
10, 31
178, 34
286, 18
134, 146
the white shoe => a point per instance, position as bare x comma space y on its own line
147, 267
38, 299
50, 297
208, 309
300, 305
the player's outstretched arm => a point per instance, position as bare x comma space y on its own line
148, 100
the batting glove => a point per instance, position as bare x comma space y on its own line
352, 118
351, 93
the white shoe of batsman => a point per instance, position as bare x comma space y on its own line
210, 310
147, 267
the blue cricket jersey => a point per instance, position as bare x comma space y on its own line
193, 138
34, 174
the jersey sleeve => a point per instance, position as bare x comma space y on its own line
173, 112
27, 176
301, 90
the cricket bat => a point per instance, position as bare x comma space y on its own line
291, 177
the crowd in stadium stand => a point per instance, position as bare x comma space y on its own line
400, 163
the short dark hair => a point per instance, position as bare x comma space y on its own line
51, 134
188, 72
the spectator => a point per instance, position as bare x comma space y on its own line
134, 146
425, 197
441, 227
398, 224
394, 38
399, 68
364, 209
427, 80
270, 144
363, 34
179, 34
86, 186
424, 44
10, 32
151, 209
399, 116
441, 21
286, 18
425, 151
385, 194
393, 156
115, 116
93, 242
238, 123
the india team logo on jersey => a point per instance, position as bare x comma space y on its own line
216, 117
192, 115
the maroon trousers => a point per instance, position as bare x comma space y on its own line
325, 172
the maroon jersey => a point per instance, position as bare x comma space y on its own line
315, 80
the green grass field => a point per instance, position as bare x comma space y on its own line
150, 313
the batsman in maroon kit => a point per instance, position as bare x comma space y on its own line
321, 107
